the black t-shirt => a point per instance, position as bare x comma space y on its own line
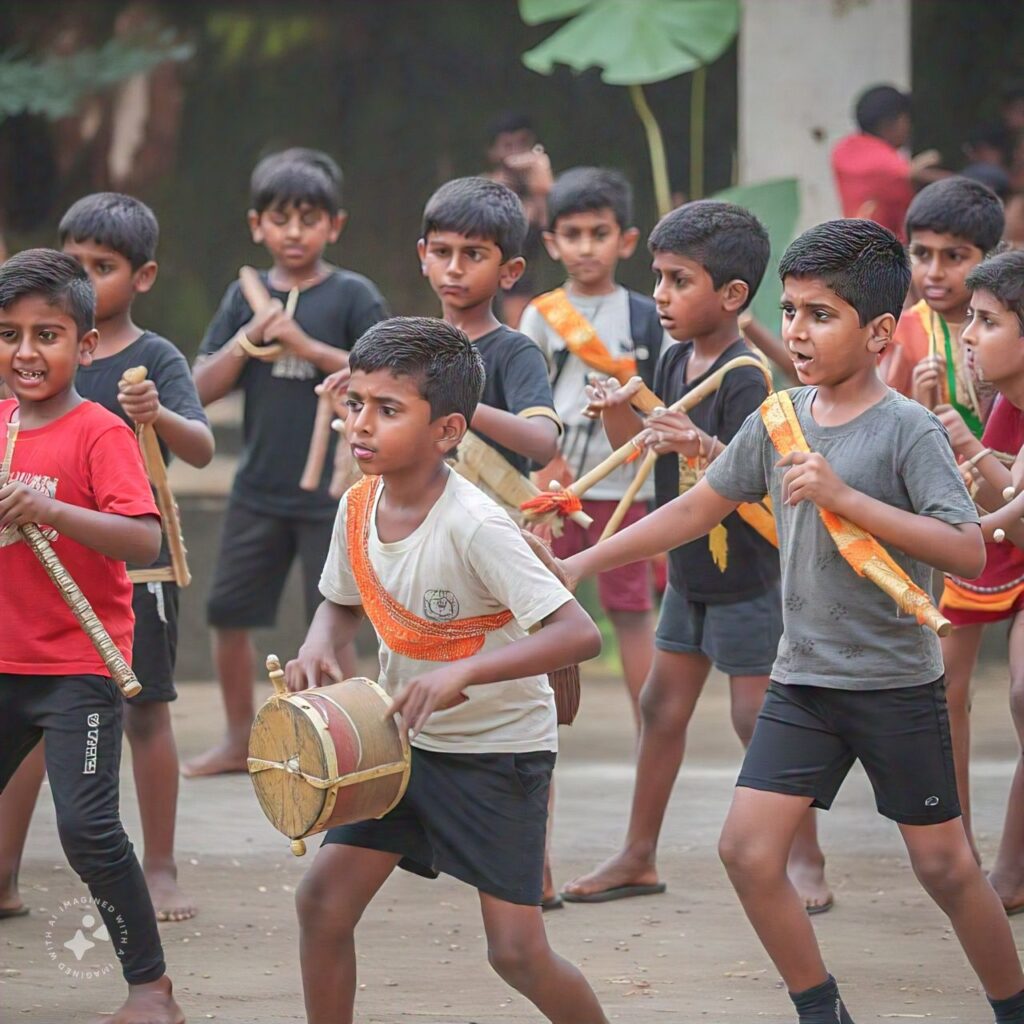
517, 382
166, 367
280, 403
753, 563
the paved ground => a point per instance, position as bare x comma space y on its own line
687, 956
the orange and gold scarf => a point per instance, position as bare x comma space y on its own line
402, 631
861, 551
580, 337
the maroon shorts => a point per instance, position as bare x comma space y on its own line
626, 589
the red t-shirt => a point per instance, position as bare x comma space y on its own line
873, 180
1004, 432
88, 458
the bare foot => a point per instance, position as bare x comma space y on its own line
1009, 888
169, 902
624, 869
152, 1003
808, 877
224, 759
11, 904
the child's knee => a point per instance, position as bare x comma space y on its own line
945, 872
144, 721
744, 718
746, 856
96, 849
661, 708
514, 960
1017, 698
321, 907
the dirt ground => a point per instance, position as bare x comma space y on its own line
686, 956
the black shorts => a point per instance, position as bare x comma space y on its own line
155, 646
481, 818
256, 552
807, 738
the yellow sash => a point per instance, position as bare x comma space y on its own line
861, 551
580, 337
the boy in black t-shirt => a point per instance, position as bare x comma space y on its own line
470, 248
296, 212
114, 237
722, 605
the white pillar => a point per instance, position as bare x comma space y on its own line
802, 64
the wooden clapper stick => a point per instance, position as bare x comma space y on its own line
120, 670
157, 472
254, 291
629, 449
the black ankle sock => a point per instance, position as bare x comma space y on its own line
1009, 1011
822, 1005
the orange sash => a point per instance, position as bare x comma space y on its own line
580, 337
402, 631
860, 550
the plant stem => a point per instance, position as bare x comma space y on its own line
698, 92
656, 146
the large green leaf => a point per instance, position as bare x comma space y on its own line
776, 204
634, 42
534, 12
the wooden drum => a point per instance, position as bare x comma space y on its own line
326, 757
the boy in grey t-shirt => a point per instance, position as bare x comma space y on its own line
854, 680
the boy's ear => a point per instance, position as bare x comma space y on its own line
881, 330
627, 242
421, 252
338, 222
551, 245
145, 277
87, 346
735, 294
254, 226
510, 272
449, 431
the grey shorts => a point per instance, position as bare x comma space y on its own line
740, 639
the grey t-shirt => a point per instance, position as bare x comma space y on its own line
841, 631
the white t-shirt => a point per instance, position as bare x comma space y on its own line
466, 558
584, 443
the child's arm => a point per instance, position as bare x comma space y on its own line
536, 437
682, 520
610, 400
188, 439
994, 476
1009, 520
953, 548
568, 636
134, 539
333, 626
282, 328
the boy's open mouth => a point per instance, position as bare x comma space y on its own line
29, 376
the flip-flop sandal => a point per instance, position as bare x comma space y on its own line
620, 892
824, 908
552, 903
6, 912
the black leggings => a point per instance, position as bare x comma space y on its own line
80, 718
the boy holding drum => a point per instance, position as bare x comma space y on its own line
452, 589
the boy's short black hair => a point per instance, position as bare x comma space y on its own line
586, 189
58, 279
509, 121
1003, 276
958, 206
478, 208
728, 241
865, 264
879, 105
115, 221
296, 177
444, 362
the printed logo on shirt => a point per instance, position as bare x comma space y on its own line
92, 743
440, 605
45, 484
293, 368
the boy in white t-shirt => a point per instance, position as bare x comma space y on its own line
445, 577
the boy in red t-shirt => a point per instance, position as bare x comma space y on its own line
77, 470
993, 339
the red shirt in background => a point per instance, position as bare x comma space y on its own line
88, 458
873, 180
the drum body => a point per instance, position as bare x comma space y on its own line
327, 756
